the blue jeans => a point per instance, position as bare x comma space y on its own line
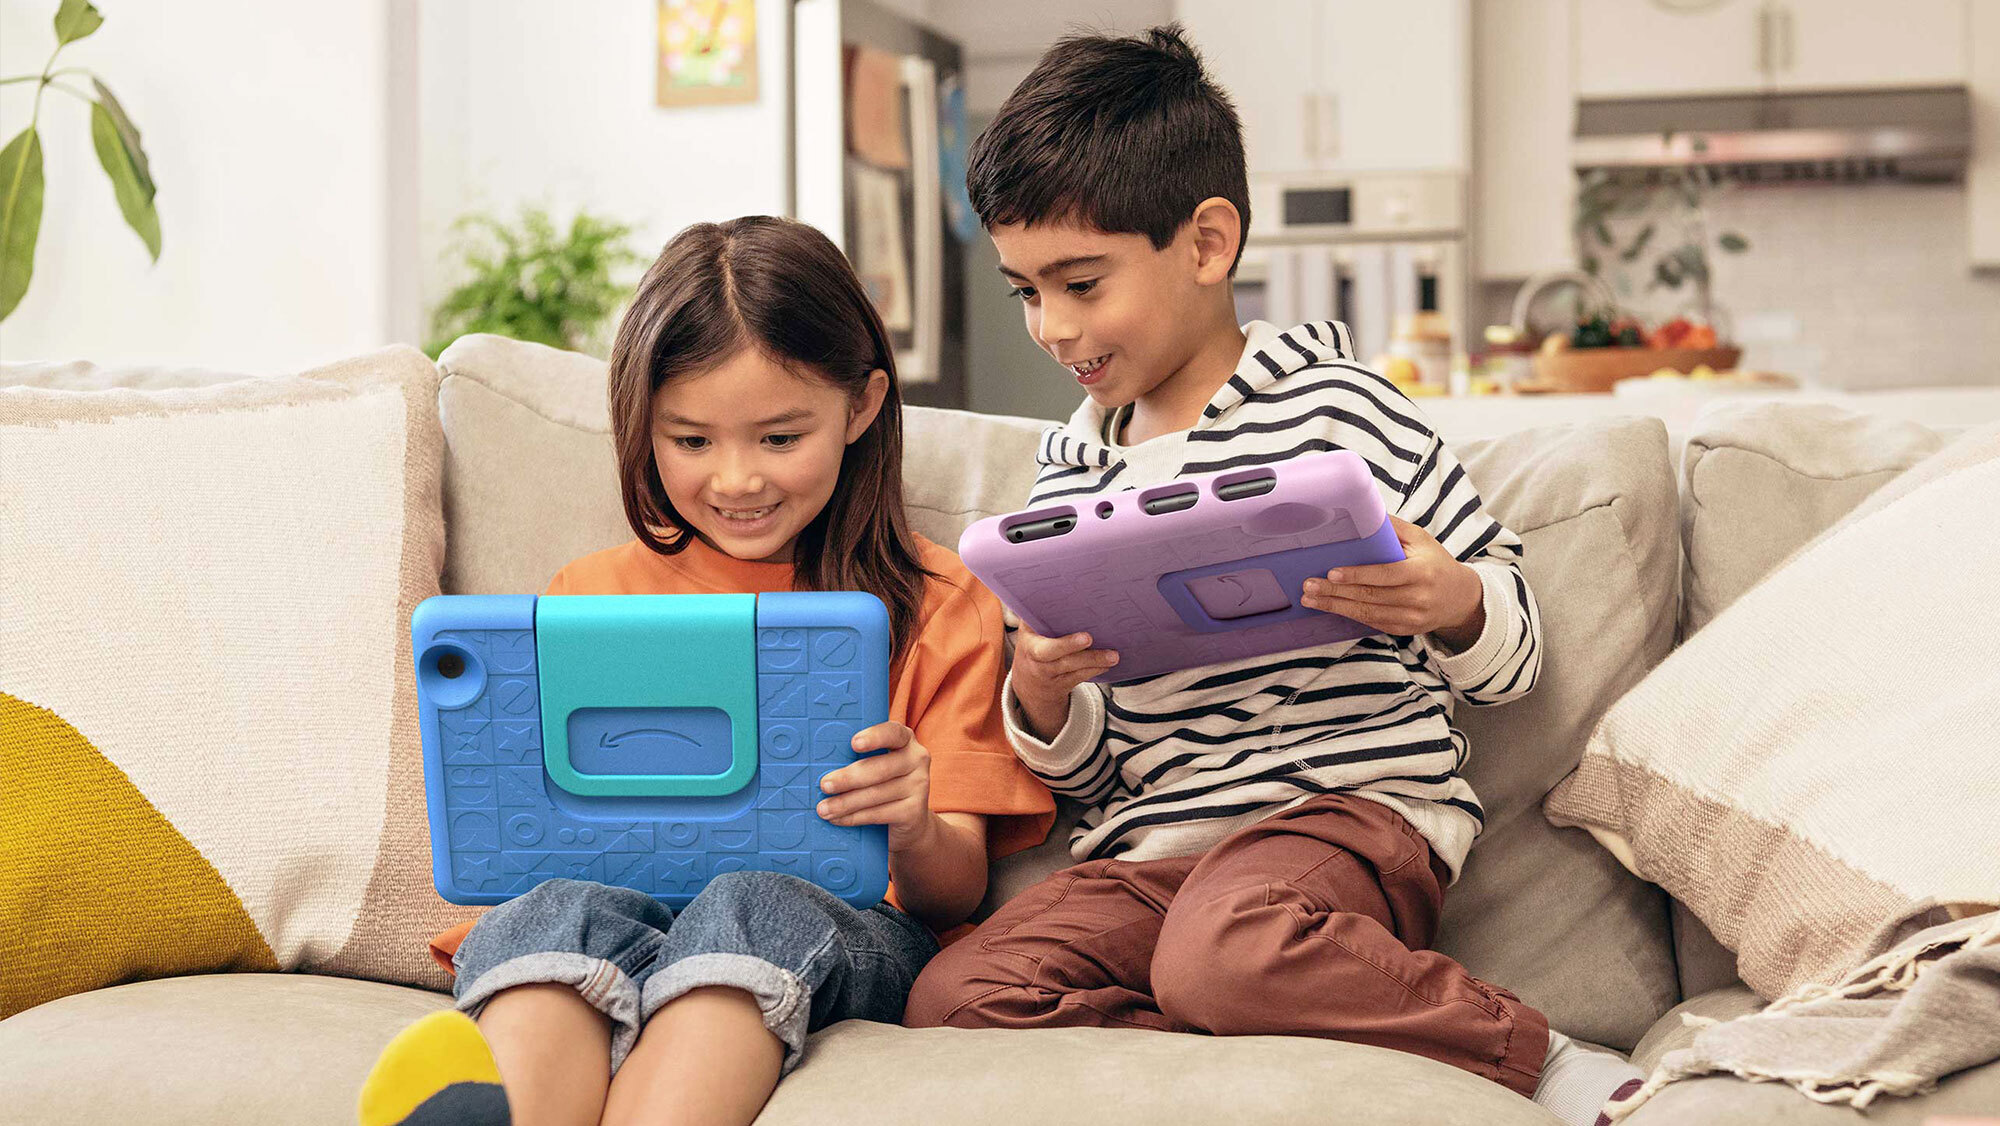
807, 957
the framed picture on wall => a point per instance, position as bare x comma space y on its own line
707, 52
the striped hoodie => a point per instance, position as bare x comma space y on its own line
1169, 765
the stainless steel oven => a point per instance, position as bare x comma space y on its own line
1362, 248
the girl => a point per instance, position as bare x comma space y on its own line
759, 437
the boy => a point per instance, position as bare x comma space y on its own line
1266, 842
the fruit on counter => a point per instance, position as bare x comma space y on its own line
1601, 331
1399, 370
1681, 333
1554, 343
1593, 333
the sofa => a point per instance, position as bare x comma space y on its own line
1631, 544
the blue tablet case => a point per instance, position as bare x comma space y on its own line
646, 741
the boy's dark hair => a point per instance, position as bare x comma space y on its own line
1123, 133
783, 288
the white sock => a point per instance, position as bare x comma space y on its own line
1577, 1082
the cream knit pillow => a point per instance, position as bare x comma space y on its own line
1814, 774
209, 756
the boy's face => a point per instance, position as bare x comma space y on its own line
1120, 315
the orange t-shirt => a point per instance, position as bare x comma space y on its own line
945, 687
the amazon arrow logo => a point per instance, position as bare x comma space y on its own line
608, 740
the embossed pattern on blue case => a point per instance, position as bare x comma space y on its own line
500, 825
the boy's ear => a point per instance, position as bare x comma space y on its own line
868, 405
1218, 233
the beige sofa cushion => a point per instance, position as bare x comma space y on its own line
530, 481
208, 1050
1761, 480
205, 631
1540, 910
256, 1049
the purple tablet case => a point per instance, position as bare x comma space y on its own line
1195, 572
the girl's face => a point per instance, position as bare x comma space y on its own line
749, 452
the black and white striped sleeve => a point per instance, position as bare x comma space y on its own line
1504, 663
1076, 763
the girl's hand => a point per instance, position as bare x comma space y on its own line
1045, 669
891, 787
1430, 591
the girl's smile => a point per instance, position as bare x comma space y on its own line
749, 452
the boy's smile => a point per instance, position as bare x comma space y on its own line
1133, 324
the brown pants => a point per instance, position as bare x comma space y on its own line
1312, 922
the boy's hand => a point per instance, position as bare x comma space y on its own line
1430, 591
1045, 669
892, 787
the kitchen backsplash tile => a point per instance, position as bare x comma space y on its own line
1851, 286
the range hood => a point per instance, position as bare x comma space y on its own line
1917, 135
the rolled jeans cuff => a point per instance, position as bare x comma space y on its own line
780, 994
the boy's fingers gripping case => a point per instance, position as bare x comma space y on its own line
646, 741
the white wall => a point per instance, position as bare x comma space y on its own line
526, 101
266, 126
1003, 41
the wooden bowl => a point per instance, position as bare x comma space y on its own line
1596, 369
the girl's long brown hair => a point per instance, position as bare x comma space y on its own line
781, 287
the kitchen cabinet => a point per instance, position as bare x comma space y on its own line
1637, 48
1266, 55
1982, 174
1523, 112
1523, 115
1838, 44
1630, 48
1342, 85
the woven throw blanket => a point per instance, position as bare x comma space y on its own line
1895, 1026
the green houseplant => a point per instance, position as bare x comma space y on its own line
118, 150
531, 280
1651, 228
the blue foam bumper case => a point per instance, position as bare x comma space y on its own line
646, 741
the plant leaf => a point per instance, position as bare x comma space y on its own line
20, 215
1638, 244
127, 132
1733, 242
76, 19
135, 196
1693, 262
